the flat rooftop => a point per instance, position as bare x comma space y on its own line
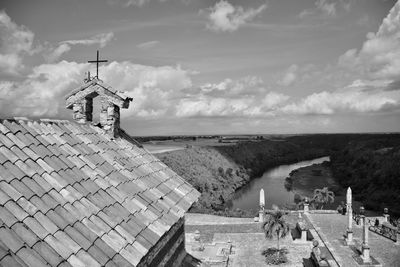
246, 241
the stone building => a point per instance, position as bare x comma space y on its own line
73, 193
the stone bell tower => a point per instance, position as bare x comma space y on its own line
80, 101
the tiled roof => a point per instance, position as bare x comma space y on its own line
71, 196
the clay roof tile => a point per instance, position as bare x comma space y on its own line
11, 260
48, 253
10, 239
98, 254
87, 259
7, 217
36, 227
31, 258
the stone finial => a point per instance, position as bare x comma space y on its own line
306, 205
197, 235
262, 205
386, 214
262, 198
349, 211
349, 198
81, 102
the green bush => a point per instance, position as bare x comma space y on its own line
273, 256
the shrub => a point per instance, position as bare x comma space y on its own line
275, 256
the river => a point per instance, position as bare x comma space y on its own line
273, 181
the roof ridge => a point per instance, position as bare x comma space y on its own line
54, 120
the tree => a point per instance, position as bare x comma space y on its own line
323, 196
275, 224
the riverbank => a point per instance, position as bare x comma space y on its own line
273, 183
304, 181
218, 171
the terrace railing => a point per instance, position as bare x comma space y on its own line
384, 229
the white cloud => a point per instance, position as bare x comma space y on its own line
140, 3
326, 8
249, 106
147, 45
204, 106
136, 2
289, 76
243, 86
55, 53
16, 41
101, 39
47, 83
226, 17
128, 3
364, 20
273, 100
379, 57
350, 101
154, 89
244, 97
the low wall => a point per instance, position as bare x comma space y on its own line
310, 211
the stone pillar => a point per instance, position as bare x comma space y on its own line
78, 115
349, 232
398, 237
303, 235
386, 215
103, 111
83, 110
110, 117
365, 255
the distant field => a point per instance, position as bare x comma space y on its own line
177, 144
161, 148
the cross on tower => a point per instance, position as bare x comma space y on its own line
97, 61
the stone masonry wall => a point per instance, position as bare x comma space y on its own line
83, 110
109, 117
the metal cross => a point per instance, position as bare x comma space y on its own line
97, 61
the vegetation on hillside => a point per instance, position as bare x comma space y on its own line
212, 174
372, 169
257, 157
216, 172
369, 163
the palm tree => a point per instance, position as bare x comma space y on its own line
275, 224
323, 196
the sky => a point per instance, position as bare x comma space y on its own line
209, 67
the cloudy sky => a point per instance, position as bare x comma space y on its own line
209, 67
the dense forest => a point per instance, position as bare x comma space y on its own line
372, 169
